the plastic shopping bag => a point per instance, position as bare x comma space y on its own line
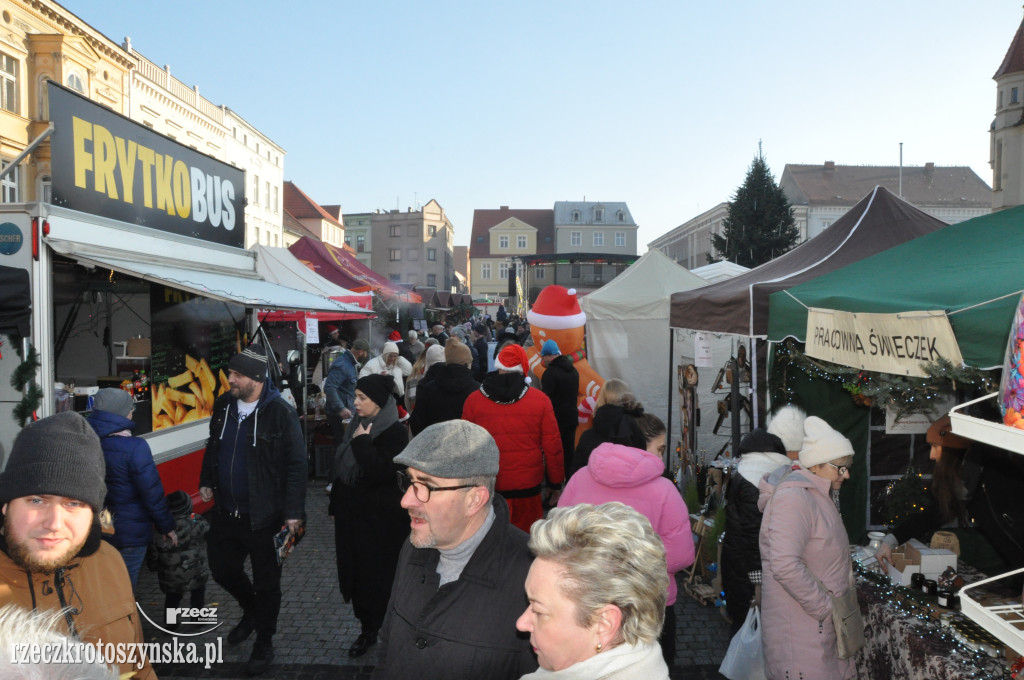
745, 658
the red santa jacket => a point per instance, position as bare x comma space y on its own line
522, 422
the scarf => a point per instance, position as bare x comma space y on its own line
346, 467
624, 662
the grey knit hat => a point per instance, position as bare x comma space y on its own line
59, 456
453, 449
113, 400
250, 362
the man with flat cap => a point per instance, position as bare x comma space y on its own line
458, 589
254, 469
52, 558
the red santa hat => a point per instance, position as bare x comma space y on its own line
556, 308
513, 358
395, 336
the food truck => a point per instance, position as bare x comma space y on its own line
134, 275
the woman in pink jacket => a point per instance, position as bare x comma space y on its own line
634, 477
803, 541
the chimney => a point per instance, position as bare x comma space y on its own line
929, 167
504, 208
830, 165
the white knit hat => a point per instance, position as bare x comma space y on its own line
390, 348
822, 444
788, 425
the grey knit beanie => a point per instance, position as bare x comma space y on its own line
57, 456
113, 400
453, 449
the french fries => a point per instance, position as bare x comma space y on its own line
188, 396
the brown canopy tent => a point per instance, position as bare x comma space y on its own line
740, 305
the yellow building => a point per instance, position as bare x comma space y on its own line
499, 237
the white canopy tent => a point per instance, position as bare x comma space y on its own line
628, 330
280, 266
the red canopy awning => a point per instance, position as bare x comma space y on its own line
334, 264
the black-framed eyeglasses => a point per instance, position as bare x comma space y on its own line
841, 469
422, 490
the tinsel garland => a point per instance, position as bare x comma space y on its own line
903, 394
25, 374
910, 604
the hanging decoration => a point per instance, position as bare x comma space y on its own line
903, 497
905, 395
23, 379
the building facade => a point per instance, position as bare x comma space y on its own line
689, 244
414, 247
502, 237
1006, 152
263, 161
359, 236
821, 194
597, 229
314, 219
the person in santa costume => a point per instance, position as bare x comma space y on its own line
522, 422
556, 315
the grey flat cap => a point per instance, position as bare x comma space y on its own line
454, 449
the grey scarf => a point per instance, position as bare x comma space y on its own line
346, 468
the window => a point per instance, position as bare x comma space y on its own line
538, 273
485, 271
1013, 95
503, 242
502, 271
576, 238
267, 194
396, 230
620, 239
620, 216
9, 184
432, 280
599, 214
275, 240
575, 215
432, 254
274, 204
598, 238
360, 243
413, 230
396, 278
598, 273
432, 230
348, 240
395, 254
256, 189
76, 83
413, 254
45, 189
257, 234
521, 242
575, 271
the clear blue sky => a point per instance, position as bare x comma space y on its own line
660, 104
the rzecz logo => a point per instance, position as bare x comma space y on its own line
200, 620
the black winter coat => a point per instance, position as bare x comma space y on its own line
441, 397
275, 462
465, 629
611, 424
561, 382
370, 524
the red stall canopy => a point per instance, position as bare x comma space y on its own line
334, 264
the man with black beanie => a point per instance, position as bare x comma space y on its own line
254, 469
51, 555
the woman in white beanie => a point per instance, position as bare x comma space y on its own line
804, 552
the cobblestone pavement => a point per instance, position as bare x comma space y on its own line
316, 627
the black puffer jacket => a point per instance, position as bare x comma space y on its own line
561, 382
441, 397
614, 424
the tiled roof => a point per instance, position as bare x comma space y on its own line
483, 219
927, 186
564, 209
1013, 62
301, 206
334, 211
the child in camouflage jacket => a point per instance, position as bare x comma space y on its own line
183, 567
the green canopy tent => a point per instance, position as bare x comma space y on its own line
971, 270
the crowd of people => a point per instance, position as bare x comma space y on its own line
480, 530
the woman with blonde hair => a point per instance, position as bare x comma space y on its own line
597, 592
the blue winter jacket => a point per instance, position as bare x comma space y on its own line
135, 495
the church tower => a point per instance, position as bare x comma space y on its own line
1006, 152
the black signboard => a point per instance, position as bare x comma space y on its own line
105, 164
